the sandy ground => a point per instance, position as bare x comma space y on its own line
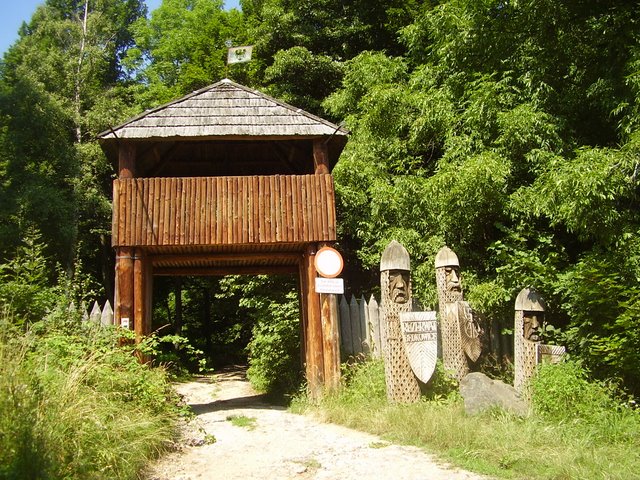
279, 444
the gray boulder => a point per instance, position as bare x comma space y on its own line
481, 393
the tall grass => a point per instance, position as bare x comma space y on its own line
75, 405
573, 443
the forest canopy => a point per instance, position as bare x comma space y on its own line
507, 130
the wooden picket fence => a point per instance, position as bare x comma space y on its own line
360, 332
103, 316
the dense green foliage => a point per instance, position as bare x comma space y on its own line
71, 398
506, 130
509, 132
576, 430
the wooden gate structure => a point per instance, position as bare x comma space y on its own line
226, 180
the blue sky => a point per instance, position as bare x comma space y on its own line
16, 12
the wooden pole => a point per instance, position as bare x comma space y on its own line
148, 272
127, 160
320, 156
315, 360
304, 322
124, 285
331, 342
139, 294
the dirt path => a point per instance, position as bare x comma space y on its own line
279, 444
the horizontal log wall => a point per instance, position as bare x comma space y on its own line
223, 210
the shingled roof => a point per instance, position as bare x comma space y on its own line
224, 109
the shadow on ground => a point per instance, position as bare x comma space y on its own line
237, 373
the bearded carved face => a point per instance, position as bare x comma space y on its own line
452, 279
532, 322
399, 286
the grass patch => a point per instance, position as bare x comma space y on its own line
242, 421
75, 405
596, 438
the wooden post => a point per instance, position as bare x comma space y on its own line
314, 354
148, 272
139, 294
320, 156
302, 301
124, 285
345, 328
127, 160
331, 345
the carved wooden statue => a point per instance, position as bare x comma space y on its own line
395, 288
528, 350
460, 331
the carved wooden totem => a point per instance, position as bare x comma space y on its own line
528, 350
395, 288
460, 332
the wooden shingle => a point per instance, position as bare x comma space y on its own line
224, 109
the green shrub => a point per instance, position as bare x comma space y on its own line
563, 392
363, 381
274, 350
75, 405
442, 385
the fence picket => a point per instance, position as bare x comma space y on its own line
356, 333
364, 326
360, 328
95, 314
374, 327
107, 314
345, 328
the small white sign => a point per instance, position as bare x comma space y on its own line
330, 285
124, 322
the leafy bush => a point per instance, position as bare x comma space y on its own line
74, 404
363, 381
25, 286
442, 385
274, 350
563, 392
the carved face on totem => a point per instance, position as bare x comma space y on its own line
452, 278
399, 286
532, 323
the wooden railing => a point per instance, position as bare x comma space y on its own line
223, 210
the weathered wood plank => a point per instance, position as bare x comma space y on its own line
157, 199
261, 214
219, 212
115, 231
223, 210
131, 212
271, 210
197, 221
253, 211
277, 193
304, 227
356, 334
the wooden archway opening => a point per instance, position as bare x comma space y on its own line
137, 266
